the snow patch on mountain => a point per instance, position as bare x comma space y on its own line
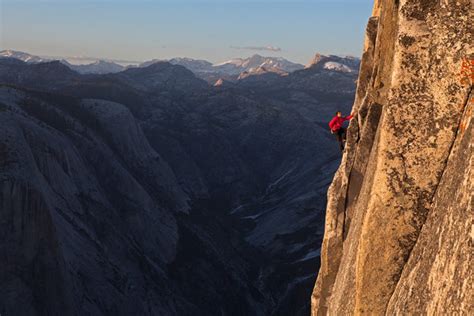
27, 58
277, 64
335, 63
332, 65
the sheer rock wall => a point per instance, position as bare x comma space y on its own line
400, 206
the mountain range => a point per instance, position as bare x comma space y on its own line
231, 70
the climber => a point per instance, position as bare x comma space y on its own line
336, 128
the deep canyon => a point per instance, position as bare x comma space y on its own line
151, 192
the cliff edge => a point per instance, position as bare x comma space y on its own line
398, 236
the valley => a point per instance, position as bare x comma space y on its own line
157, 190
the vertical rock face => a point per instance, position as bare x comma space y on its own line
400, 206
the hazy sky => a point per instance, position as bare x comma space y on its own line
213, 30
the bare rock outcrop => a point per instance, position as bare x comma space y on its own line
399, 208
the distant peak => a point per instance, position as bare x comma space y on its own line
159, 64
316, 60
9, 53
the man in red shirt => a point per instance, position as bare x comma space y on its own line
336, 128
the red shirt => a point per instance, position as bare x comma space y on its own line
336, 122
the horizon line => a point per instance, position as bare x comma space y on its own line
125, 61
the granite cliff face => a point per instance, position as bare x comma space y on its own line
398, 236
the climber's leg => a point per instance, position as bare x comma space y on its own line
340, 134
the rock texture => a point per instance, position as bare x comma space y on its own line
399, 210
78, 226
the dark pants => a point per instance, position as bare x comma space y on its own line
341, 137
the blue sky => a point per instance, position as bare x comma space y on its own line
213, 30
